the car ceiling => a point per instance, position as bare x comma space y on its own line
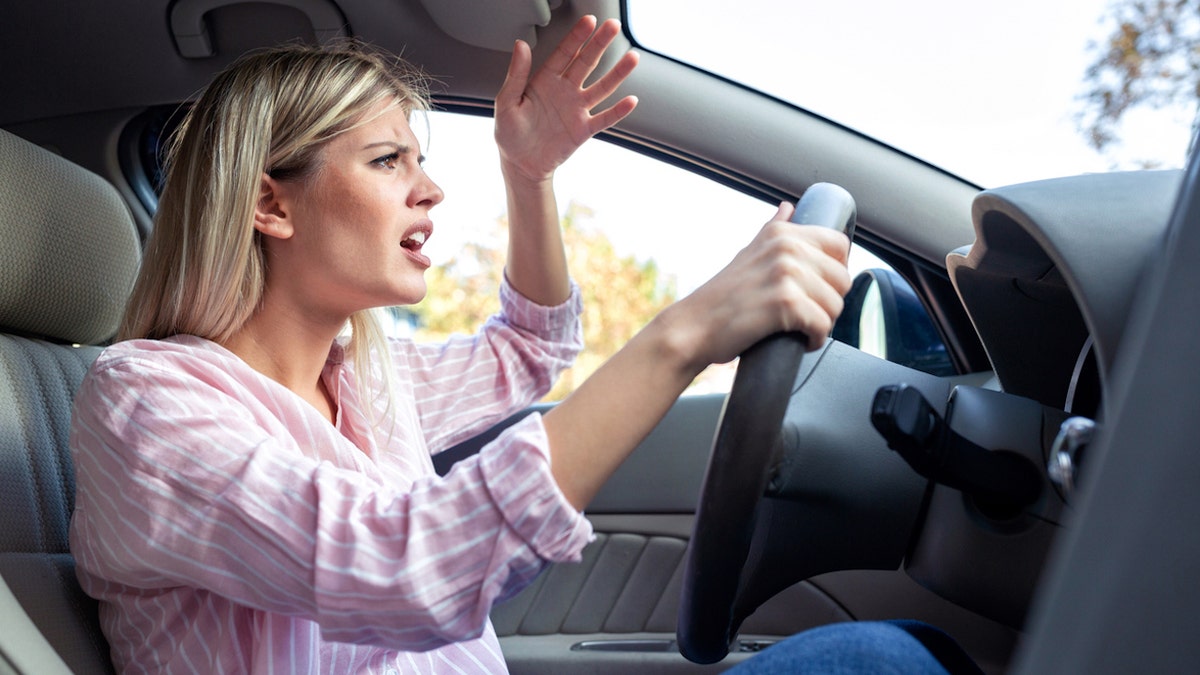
52, 74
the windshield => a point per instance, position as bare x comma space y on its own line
992, 92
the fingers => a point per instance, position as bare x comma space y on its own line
588, 56
805, 274
562, 56
605, 87
612, 80
784, 211
816, 309
578, 55
518, 76
790, 278
817, 249
603, 120
830, 241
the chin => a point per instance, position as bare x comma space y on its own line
409, 296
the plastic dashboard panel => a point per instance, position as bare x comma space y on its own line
1054, 262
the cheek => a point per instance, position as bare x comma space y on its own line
357, 243
350, 222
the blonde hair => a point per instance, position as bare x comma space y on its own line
269, 112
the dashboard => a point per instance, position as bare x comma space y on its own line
1050, 281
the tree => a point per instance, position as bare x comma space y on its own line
620, 293
1151, 59
462, 293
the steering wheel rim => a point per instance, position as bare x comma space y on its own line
745, 448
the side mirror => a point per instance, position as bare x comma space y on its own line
884, 317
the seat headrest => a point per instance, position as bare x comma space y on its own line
69, 250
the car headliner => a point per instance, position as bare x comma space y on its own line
684, 115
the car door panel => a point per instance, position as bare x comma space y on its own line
616, 609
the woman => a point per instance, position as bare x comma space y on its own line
255, 493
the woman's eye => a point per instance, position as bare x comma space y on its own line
388, 161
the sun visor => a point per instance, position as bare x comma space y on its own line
1055, 262
491, 24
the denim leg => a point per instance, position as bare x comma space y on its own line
858, 648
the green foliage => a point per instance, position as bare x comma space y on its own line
1151, 58
620, 293
461, 294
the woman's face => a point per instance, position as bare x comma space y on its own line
359, 222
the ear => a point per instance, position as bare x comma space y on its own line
271, 212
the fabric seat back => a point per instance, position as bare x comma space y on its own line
68, 254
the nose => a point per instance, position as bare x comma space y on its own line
427, 193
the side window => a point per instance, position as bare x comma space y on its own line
640, 234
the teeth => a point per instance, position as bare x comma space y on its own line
417, 238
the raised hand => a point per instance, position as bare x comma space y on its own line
542, 120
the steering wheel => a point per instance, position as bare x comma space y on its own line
745, 450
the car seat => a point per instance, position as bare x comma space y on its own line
69, 252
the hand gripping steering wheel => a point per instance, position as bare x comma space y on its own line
744, 451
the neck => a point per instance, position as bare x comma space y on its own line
290, 349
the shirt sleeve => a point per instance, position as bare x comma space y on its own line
467, 384
179, 485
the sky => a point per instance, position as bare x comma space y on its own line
987, 90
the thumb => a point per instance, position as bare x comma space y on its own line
518, 75
784, 212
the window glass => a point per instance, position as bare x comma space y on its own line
991, 91
640, 233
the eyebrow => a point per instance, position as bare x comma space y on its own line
400, 149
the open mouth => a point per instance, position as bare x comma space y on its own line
415, 241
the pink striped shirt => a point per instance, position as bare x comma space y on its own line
227, 527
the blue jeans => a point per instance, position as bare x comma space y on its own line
864, 648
